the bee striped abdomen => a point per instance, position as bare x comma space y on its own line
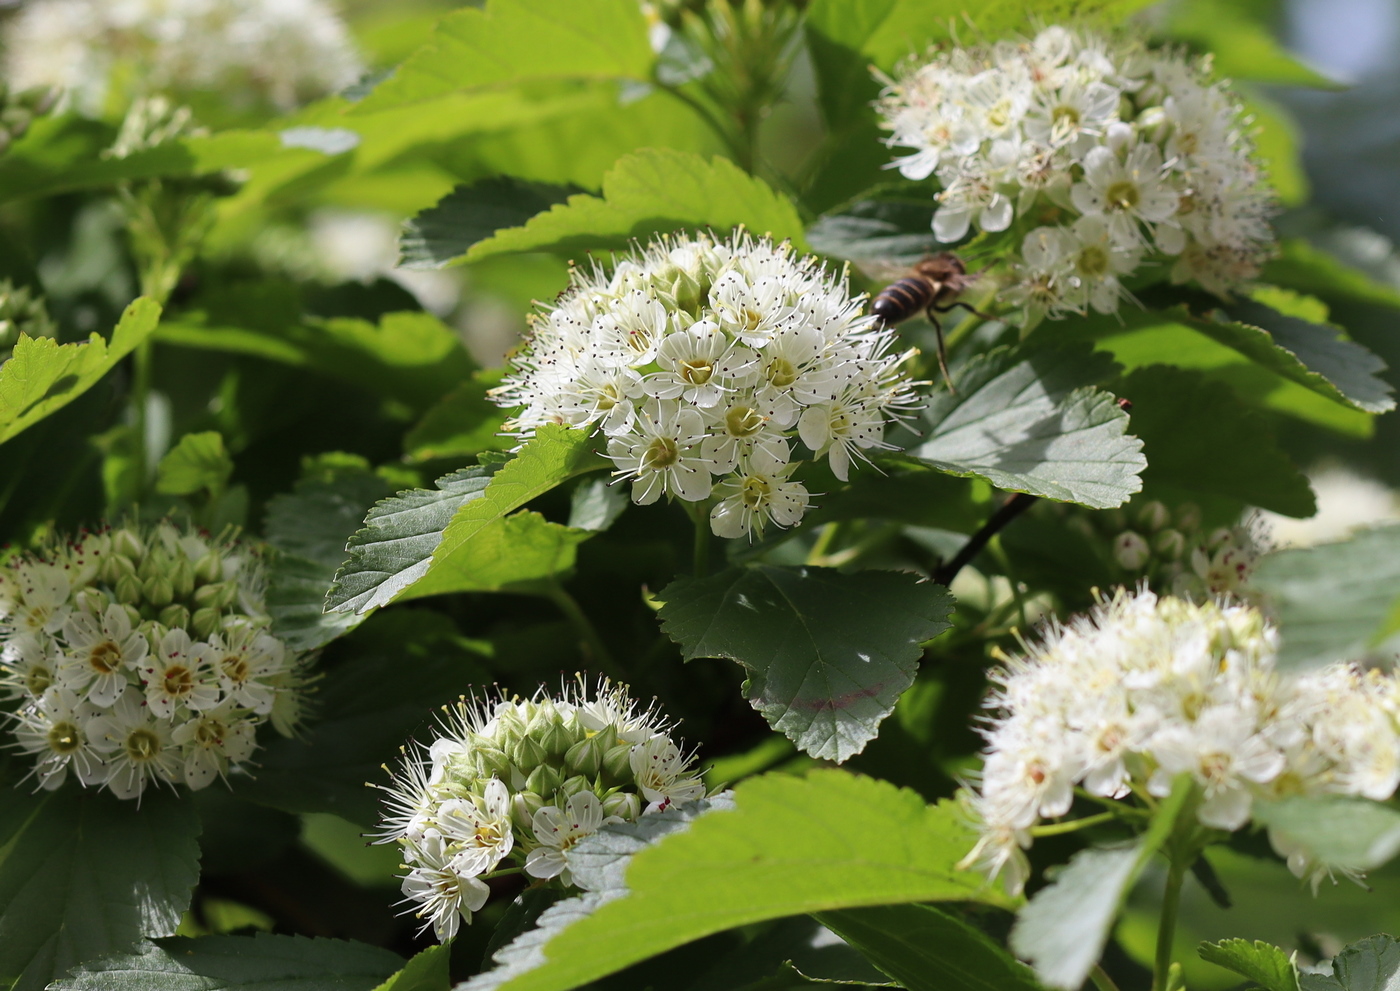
901, 300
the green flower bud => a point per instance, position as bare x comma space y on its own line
1170, 544
493, 762
208, 595
526, 754
543, 780
617, 762
127, 542
174, 615
523, 806
129, 589
624, 804
133, 615
1188, 516
205, 621
1130, 550
586, 756
573, 786
159, 591
228, 594
154, 564
1153, 516
91, 600
182, 578
209, 569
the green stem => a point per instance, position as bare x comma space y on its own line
1057, 828
735, 147
1166, 926
700, 554
597, 650
140, 400
1101, 979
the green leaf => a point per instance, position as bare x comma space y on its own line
83, 875
309, 526
1263, 963
927, 949
828, 654
443, 233
197, 463
1033, 425
427, 971
399, 537
464, 423
1063, 929
262, 962
1342, 831
596, 505
506, 43
789, 845
889, 230
1305, 268
1242, 45
1278, 143
1201, 441
653, 191
43, 376
1332, 602
1370, 965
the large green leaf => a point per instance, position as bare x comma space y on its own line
1242, 43
309, 526
505, 43
427, 971
653, 191
1342, 831
43, 376
888, 230
790, 845
1370, 965
199, 462
1334, 601
927, 949
1263, 963
83, 875
1034, 425
1302, 267
462, 425
1201, 441
262, 962
445, 232
1063, 929
828, 654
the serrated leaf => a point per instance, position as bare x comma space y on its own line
42, 376
464, 423
653, 191
427, 971
927, 949
1063, 929
502, 44
1332, 602
1373, 964
83, 875
1263, 963
1202, 441
1033, 425
888, 231
442, 234
262, 962
789, 845
828, 653
1308, 269
309, 527
1340, 830
199, 462
596, 505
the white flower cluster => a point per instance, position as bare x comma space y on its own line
141, 655
1104, 155
524, 780
276, 52
699, 360
1124, 700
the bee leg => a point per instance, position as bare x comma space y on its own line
942, 349
968, 307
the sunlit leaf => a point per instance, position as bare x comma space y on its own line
1263, 963
199, 462
443, 233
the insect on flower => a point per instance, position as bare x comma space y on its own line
933, 285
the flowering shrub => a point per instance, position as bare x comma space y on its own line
140, 656
1106, 155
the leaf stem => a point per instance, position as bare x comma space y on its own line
1009, 510
1101, 979
700, 549
1166, 925
734, 145
1058, 828
140, 403
597, 652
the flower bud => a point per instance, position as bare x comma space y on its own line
623, 804
1170, 544
493, 761
174, 615
155, 563
129, 589
617, 762
586, 756
133, 615
1188, 517
182, 578
573, 786
526, 754
1154, 516
543, 780
209, 569
159, 591
523, 806
91, 600
127, 542
205, 621
208, 595
1130, 550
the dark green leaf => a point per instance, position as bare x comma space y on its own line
263, 962
1201, 441
828, 654
463, 424
425, 972
1062, 930
926, 949
443, 233
887, 231
1033, 425
197, 463
83, 875
1308, 269
1370, 965
789, 845
653, 191
1263, 963
1342, 831
43, 376
1334, 601
504, 43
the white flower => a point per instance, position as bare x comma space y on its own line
36, 598
664, 456
100, 652
244, 659
700, 366
212, 740
1225, 753
557, 830
443, 895
31, 666
178, 674
663, 773
54, 731
1126, 192
479, 829
749, 499
137, 748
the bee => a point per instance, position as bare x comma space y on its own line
933, 286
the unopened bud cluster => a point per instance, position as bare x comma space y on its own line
700, 360
1099, 157
19, 108
523, 781
21, 312
141, 655
1143, 689
250, 53
1173, 552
